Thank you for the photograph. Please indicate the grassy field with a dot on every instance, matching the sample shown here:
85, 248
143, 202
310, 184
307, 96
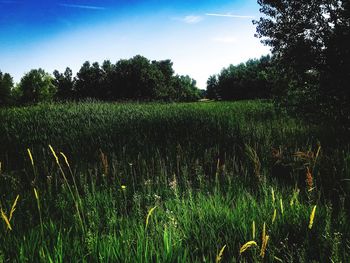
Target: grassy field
128, 182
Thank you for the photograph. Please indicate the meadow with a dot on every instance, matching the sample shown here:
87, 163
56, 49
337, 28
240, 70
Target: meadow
183, 182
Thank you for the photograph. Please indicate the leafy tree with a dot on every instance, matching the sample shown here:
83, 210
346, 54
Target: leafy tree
6, 84
138, 79
64, 83
185, 89
129, 79
212, 87
107, 82
311, 41
36, 86
166, 67
250, 80
89, 81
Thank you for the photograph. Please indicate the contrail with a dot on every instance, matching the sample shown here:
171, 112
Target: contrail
228, 15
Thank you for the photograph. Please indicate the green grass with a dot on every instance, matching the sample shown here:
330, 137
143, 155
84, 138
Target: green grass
209, 169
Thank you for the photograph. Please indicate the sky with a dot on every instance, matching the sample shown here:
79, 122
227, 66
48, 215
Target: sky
200, 37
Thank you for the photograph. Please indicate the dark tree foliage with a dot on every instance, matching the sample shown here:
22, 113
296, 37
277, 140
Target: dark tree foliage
212, 88
137, 78
36, 86
129, 79
183, 88
310, 40
134, 79
89, 81
250, 80
64, 83
6, 84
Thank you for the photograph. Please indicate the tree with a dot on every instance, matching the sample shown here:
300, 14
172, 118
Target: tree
250, 80
185, 89
6, 84
311, 41
64, 83
36, 86
138, 78
212, 87
89, 81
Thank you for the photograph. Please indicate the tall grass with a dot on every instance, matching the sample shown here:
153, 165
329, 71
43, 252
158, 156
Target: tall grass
200, 182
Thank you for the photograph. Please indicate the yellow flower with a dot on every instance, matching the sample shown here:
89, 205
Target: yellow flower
123, 187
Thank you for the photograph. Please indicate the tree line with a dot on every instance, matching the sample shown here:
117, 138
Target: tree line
310, 43
128, 79
308, 72
249, 80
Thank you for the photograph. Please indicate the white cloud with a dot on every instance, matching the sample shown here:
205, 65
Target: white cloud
225, 39
192, 19
90, 7
229, 15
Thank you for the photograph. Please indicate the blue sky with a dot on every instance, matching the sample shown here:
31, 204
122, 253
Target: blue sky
200, 37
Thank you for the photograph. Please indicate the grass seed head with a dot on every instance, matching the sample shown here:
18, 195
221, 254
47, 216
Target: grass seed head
13, 208
219, 256
6, 220
263, 246
65, 159
281, 205
30, 157
274, 215
36, 194
149, 214
247, 245
312, 216
54, 154
309, 180
253, 229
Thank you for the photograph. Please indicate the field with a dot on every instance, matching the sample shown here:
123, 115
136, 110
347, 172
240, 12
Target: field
129, 182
